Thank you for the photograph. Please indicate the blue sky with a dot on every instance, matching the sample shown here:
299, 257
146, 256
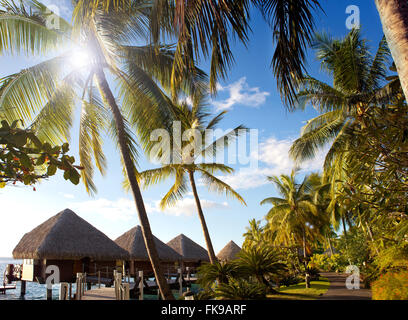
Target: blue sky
252, 99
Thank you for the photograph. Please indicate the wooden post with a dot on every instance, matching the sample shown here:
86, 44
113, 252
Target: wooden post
126, 291
141, 285
23, 288
49, 294
79, 286
70, 291
99, 279
63, 292
118, 284
188, 274
180, 272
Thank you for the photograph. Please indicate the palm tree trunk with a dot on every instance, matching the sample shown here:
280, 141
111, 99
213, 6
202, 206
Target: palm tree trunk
307, 276
130, 171
394, 18
330, 245
210, 248
345, 236
370, 233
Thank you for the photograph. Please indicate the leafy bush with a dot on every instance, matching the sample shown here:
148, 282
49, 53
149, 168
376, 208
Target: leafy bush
290, 280
314, 273
204, 295
263, 263
208, 273
336, 262
391, 286
319, 261
240, 289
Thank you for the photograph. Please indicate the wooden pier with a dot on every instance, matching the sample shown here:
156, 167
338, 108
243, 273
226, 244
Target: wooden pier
4, 288
100, 294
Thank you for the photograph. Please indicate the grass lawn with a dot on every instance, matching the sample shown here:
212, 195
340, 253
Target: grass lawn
299, 292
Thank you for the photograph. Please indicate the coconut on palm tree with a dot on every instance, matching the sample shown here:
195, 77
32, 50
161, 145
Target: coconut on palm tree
101, 50
190, 157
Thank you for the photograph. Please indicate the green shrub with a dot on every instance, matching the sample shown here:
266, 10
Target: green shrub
336, 262
240, 289
391, 286
319, 261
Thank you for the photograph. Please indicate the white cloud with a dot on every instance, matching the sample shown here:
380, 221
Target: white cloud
186, 207
241, 93
274, 155
118, 210
67, 195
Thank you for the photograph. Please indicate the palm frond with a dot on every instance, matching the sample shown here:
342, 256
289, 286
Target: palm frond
219, 186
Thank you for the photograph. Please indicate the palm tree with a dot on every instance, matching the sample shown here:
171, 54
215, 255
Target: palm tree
358, 83
206, 27
393, 15
203, 27
293, 216
46, 94
264, 263
221, 272
254, 235
186, 163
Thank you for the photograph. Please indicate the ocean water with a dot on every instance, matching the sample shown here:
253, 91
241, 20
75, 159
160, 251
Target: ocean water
34, 290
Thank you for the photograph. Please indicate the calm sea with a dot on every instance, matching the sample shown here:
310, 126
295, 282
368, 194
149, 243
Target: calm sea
34, 291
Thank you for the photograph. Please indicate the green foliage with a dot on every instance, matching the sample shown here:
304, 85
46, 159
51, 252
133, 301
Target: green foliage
354, 247
241, 289
393, 258
218, 272
263, 263
335, 262
25, 159
391, 286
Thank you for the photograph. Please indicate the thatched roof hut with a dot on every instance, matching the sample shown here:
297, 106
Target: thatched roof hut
188, 249
133, 242
66, 236
229, 252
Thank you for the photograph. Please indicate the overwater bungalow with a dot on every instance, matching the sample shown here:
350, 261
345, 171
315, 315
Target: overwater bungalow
229, 252
132, 241
192, 253
70, 243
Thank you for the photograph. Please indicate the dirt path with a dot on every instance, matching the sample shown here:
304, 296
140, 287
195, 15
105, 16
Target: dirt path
339, 291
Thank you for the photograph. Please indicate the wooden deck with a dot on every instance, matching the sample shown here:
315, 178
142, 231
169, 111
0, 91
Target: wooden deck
100, 294
3, 289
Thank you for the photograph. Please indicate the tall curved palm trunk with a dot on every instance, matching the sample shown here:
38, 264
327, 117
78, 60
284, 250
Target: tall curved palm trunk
307, 275
129, 166
207, 237
394, 18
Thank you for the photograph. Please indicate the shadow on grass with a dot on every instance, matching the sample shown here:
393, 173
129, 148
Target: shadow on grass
299, 292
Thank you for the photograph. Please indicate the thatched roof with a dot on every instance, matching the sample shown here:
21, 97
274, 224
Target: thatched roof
133, 242
67, 236
188, 249
229, 252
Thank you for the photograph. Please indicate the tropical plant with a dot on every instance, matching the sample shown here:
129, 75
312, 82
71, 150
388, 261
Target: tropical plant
359, 82
254, 235
265, 264
24, 159
48, 91
391, 286
292, 217
241, 289
209, 274
191, 157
